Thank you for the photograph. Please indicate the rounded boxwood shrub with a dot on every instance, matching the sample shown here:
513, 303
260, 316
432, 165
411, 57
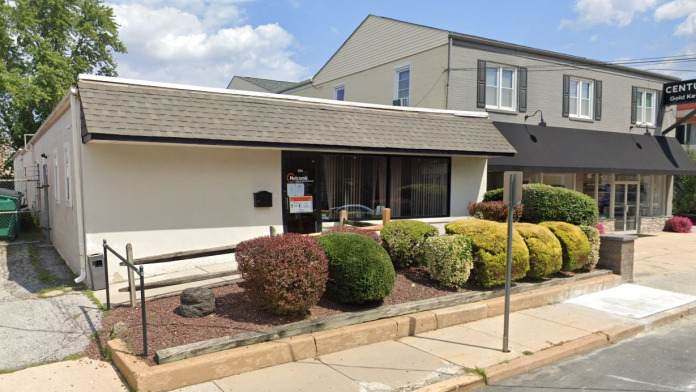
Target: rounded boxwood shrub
592, 234
489, 244
285, 274
449, 259
404, 239
575, 245
547, 203
545, 252
359, 269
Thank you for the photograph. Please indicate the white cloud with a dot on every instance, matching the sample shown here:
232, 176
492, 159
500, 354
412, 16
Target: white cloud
610, 12
675, 9
197, 42
688, 26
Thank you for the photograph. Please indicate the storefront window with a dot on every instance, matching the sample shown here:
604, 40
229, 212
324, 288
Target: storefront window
563, 180
418, 186
589, 185
361, 184
653, 190
356, 183
604, 195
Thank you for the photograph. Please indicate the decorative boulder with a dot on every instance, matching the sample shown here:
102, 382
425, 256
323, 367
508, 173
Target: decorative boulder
196, 302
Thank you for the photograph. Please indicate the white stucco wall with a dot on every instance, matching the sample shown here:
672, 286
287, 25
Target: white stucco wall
167, 198
54, 142
468, 183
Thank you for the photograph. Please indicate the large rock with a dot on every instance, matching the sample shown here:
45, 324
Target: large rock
196, 302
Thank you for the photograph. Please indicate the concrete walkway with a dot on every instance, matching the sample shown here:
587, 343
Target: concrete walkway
416, 361
667, 261
83, 375
35, 328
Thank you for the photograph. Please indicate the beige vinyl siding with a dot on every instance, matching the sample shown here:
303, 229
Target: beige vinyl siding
545, 88
376, 85
378, 41
240, 84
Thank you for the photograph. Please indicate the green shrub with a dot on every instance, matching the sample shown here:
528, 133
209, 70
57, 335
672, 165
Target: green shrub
547, 203
359, 269
285, 274
404, 239
489, 240
592, 234
575, 245
449, 259
545, 252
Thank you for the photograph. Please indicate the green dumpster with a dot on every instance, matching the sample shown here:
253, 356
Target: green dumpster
9, 207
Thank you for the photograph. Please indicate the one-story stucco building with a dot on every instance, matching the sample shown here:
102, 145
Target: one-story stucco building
171, 167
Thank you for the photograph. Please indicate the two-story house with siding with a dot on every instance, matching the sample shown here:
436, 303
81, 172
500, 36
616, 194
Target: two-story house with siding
578, 123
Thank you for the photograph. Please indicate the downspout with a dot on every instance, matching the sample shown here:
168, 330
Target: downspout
449, 71
77, 175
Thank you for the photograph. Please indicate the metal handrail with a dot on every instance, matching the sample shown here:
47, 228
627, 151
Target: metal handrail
128, 262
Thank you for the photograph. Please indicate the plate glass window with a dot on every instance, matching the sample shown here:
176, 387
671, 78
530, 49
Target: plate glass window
340, 93
500, 87
581, 98
645, 107
403, 85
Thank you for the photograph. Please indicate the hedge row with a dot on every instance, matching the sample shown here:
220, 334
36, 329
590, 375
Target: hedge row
288, 274
547, 203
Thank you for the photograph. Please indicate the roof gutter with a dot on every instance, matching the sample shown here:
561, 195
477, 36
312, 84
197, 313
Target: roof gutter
76, 133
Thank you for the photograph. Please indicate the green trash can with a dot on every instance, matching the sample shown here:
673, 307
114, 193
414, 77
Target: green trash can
9, 220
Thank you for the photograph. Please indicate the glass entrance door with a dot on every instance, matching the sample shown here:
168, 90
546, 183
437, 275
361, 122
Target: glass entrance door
300, 211
626, 206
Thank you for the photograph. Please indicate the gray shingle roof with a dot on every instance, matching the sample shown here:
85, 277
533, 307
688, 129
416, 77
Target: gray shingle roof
121, 110
274, 86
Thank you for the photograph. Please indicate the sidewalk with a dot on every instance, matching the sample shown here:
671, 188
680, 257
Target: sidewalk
414, 362
82, 375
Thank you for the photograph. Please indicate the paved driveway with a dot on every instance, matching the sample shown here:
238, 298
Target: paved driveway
34, 329
667, 261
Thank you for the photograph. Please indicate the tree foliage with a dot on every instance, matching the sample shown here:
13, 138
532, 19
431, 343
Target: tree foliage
45, 45
685, 192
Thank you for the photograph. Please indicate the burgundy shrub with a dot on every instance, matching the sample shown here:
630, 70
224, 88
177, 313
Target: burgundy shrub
355, 230
285, 274
494, 210
601, 228
678, 224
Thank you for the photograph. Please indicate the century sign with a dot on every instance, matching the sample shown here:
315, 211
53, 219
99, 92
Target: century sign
679, 92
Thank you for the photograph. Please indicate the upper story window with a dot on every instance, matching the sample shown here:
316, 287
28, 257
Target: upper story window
340, 92
402, 86
645, 106
500, 87
581, 95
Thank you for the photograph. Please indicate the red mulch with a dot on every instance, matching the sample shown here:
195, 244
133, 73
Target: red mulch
236, 313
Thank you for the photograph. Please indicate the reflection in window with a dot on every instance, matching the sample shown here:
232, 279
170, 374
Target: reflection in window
653, 190
356, 183
419, 186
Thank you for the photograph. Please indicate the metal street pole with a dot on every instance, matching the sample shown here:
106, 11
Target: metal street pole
508, 271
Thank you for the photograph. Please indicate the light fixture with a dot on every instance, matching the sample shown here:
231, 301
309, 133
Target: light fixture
647, 131
542, 123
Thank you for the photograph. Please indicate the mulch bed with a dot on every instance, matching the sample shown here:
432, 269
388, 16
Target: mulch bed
237, 313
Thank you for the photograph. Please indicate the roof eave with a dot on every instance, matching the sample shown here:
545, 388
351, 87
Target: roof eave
561, 56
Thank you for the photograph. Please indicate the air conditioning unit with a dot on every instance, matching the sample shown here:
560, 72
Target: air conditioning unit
400, 102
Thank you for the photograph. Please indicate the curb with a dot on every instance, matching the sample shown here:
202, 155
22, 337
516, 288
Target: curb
206, 367
583, 345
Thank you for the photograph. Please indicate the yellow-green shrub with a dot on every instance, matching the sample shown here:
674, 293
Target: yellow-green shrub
489, 240
575, 245
592, 234
545, 252
449, 259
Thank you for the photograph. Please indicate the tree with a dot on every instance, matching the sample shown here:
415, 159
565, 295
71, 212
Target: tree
685, 192
45, 45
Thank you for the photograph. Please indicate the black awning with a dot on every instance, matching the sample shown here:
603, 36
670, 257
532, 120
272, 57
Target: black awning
557, 149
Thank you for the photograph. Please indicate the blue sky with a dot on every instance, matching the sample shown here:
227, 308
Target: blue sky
207, 42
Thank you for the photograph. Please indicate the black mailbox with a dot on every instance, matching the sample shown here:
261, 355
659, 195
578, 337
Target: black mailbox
263, 199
